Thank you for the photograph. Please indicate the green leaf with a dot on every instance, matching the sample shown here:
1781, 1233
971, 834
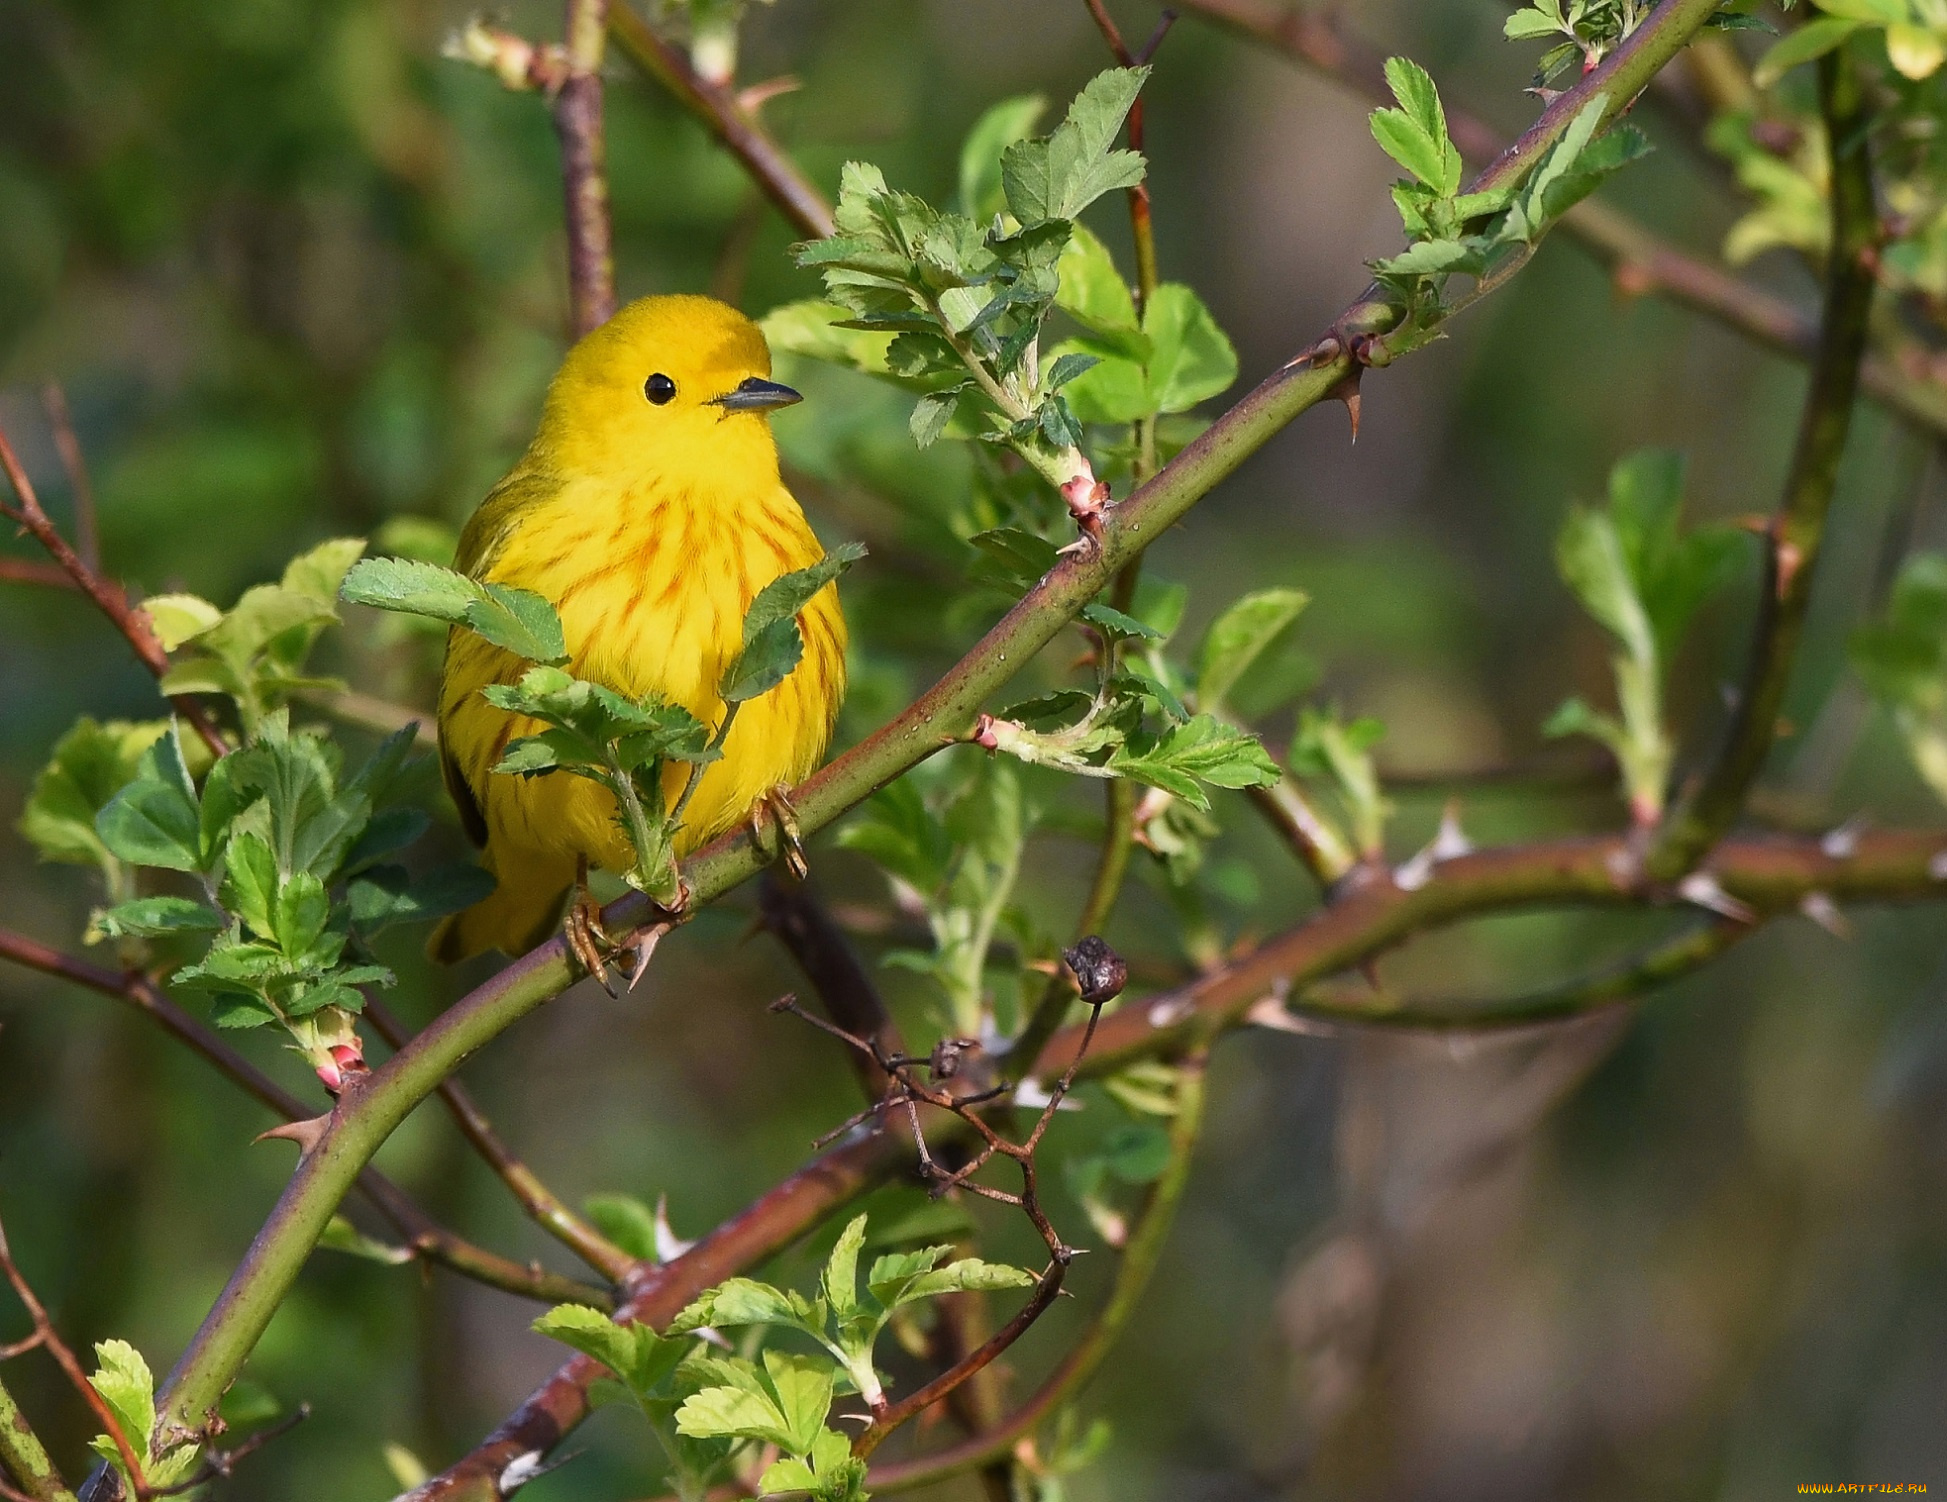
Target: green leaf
1201, 750
626, 1221
1092, 291
125, 1384
735, 1413
86, 769
1238, 637
818, 331
1138, 1152
340, 1235
998, 128
803, 1385
738, 1301
1415, 135
250, 884
176, 619
773, 644
156, 819
969, 1275
516, 619
931, 414
385, 896
303, 909
895, 1273
1014, 559
1525, 25
1812, 40
1590, 556
154, 918
1060, 175
1114, 624
1192, 358
841, 1275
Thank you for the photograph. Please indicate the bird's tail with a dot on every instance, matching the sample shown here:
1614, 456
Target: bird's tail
521, 913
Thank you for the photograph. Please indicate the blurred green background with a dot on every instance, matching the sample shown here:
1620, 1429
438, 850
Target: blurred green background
299, 275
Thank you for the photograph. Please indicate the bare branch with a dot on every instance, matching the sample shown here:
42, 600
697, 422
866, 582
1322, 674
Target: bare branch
791, 911
87, 532
578, 122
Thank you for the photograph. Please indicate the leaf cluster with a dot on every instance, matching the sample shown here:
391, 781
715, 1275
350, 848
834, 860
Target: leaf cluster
1487, 235
707, 1405
254, 653
1902, 657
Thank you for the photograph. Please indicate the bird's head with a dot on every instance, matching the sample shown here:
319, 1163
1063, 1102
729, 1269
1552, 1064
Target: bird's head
680, 386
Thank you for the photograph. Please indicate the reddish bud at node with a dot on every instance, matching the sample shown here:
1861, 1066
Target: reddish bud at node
983, 734
1791, 558
1087, 499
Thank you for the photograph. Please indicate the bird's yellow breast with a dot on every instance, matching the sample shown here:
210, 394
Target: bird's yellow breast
651, 583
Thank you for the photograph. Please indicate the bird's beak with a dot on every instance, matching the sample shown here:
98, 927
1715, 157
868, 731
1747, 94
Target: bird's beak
754, 395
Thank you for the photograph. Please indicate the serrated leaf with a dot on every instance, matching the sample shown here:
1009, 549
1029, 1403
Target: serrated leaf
841, 1275
1238, 637
969, 1275
734, 1413
1191, 358
1058, 176
739, 1301
1113, 623
155, 820
126, 1385
1091, 290
931, 414
1415, 135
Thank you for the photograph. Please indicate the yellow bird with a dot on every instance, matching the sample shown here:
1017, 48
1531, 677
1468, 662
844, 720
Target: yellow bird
649, 511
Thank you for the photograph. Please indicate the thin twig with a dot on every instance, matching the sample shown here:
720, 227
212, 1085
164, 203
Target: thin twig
108, 596
51, 1342
87, 532
1100, 975
1796, 531
546, 1208
797, 198
1138, 1263
578, 122
33, 571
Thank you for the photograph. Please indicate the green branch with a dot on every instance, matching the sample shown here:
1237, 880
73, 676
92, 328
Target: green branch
1796, 532
369, 1112
24, 1458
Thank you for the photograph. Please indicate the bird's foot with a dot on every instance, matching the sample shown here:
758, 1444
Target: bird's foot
777, 805
588, 941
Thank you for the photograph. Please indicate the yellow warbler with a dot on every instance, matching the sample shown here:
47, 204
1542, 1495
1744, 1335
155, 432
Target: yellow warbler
649, 512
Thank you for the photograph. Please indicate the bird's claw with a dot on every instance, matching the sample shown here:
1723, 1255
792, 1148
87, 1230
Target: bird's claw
777, 803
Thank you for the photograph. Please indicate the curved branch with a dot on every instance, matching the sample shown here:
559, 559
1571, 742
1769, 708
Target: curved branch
795, 196
369, 1112
1798, 528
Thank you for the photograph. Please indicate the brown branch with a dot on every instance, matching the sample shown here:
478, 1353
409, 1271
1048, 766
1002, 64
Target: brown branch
49, 1339
1643, 263
1797, 530
33, 571
541, 1203
87, 534
796, 197
578, 122
108, 596
222, 1464
791, 911
424, 1236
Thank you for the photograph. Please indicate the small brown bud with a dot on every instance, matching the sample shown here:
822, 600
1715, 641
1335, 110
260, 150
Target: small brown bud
1099, 971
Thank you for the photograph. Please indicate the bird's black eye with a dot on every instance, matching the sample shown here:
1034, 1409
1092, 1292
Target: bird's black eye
660, 389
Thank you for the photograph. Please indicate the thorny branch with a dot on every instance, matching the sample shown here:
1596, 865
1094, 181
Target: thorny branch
791, 911
947, 1080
